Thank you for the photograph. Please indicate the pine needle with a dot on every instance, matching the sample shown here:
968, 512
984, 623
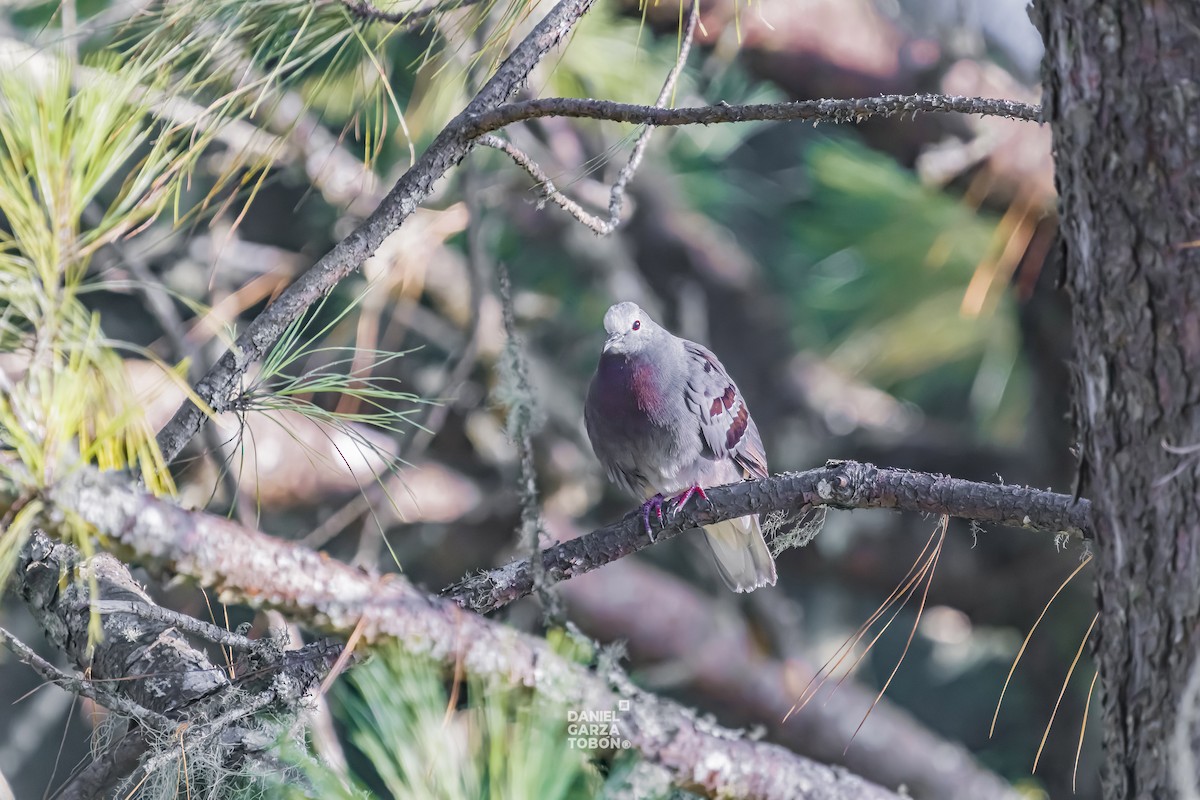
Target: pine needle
921, 572
924, 595
1063, 690
1082, 728
1029, 636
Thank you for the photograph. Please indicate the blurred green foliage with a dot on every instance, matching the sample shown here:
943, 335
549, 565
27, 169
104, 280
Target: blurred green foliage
871, 266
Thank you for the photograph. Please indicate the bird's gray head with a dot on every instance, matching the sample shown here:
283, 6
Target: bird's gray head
630, 329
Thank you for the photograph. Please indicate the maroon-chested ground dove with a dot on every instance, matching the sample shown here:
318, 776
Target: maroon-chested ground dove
665, 419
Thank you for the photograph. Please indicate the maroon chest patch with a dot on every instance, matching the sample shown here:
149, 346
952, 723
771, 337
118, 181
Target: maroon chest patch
646, 385
632, 388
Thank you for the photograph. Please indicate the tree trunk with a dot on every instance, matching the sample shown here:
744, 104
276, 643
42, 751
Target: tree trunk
1123, 99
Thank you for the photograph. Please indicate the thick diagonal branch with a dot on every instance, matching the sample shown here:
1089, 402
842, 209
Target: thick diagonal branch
840, 484
250, 567
446, 151
247, 566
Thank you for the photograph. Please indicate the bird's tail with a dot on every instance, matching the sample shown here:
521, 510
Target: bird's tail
742, 556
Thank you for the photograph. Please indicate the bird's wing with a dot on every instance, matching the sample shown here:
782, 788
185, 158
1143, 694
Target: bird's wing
725, 424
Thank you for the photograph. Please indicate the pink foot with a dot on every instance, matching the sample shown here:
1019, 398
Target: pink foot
653, 504
680, 500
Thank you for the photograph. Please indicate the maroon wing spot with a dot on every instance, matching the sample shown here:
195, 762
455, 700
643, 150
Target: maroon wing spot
737, 428
723, 403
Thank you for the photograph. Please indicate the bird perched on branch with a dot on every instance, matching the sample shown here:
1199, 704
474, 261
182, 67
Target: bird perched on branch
665, 420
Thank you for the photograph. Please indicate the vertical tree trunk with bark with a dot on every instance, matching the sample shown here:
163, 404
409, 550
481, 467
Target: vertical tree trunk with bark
1123, 97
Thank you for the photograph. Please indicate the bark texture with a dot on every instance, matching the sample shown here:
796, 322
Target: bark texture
839, 484
1123, 99
143, 656
151, 663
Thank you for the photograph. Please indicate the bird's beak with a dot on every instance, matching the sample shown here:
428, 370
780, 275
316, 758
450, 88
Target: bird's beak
610, 341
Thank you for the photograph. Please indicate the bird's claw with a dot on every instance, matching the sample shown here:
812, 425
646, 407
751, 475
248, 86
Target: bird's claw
653, 504
674, 506
680, 500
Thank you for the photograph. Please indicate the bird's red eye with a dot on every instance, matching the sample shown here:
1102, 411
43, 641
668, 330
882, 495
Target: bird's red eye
637, 323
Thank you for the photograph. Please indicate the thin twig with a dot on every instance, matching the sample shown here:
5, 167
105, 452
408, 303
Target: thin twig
458, 365
344, 517
848, 110
409, 20
479, 269
197, 627
616, 199
90, 690
545, 185
617, 195
521, 422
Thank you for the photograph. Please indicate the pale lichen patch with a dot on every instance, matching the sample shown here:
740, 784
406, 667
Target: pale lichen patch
825, 489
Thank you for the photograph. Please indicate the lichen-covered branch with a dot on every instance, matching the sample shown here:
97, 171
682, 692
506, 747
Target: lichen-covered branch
143, 666
839, 484
262, 571
147, 661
